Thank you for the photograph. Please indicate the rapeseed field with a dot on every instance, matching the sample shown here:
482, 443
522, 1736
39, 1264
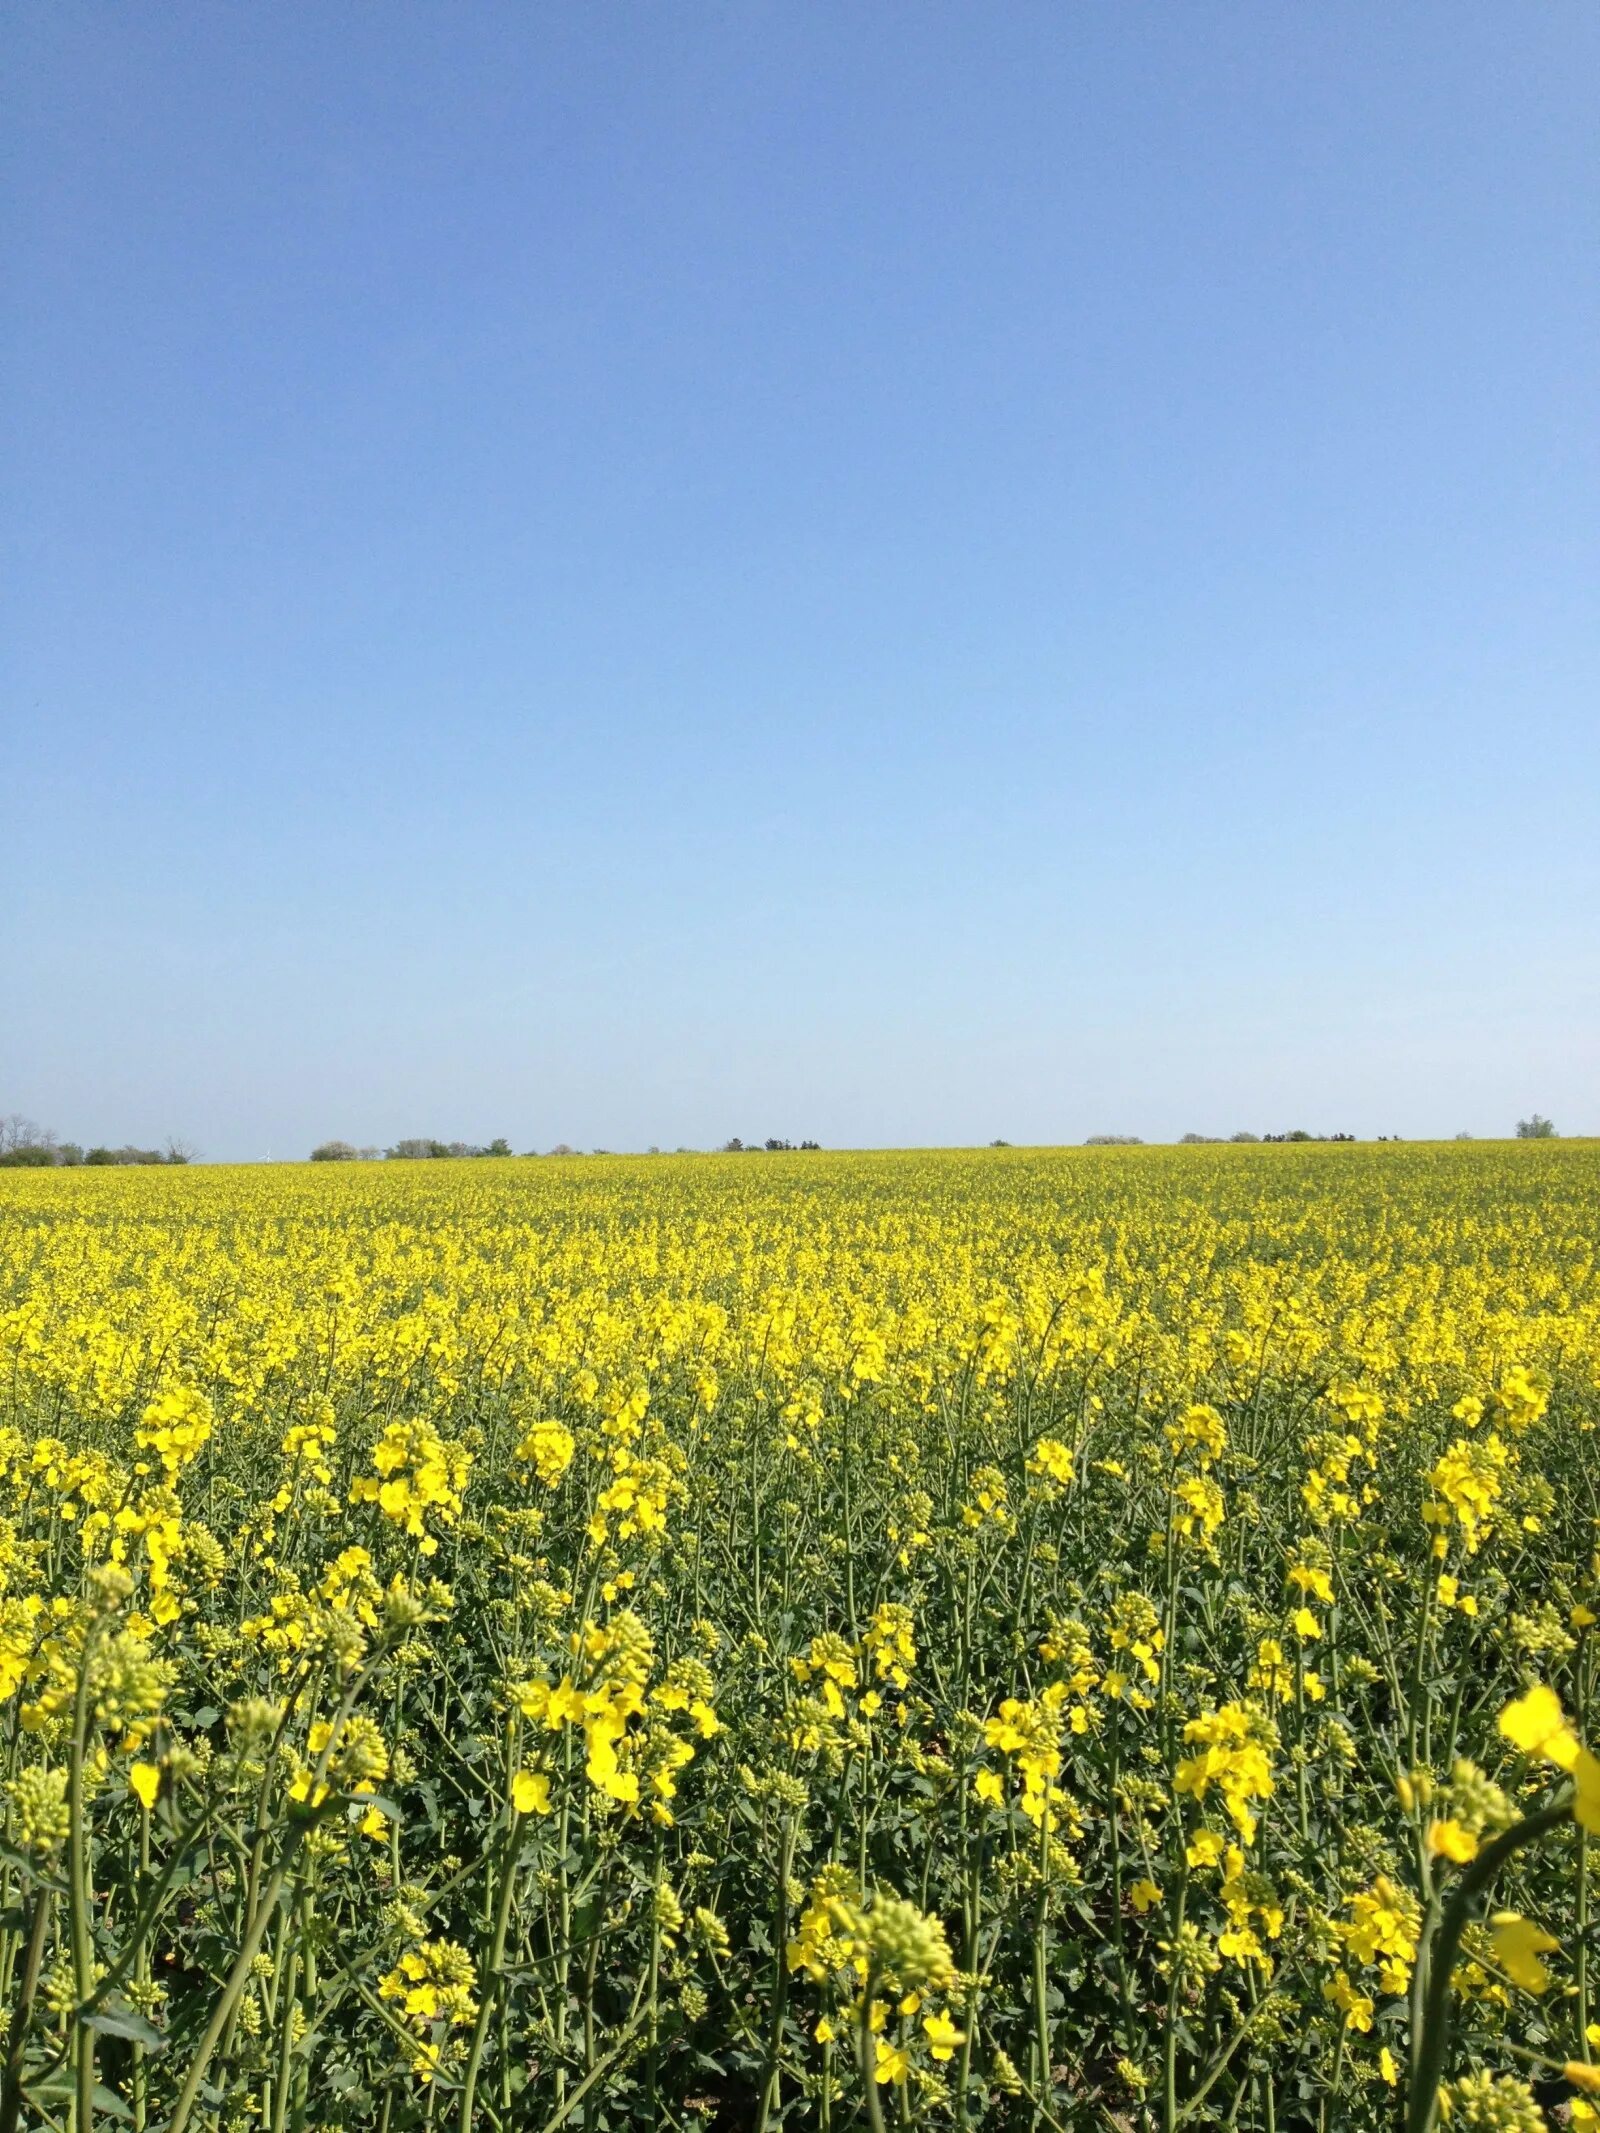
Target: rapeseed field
1054, 1640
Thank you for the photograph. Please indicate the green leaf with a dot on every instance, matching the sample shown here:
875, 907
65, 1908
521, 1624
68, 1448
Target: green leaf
120, 2020
384, 1805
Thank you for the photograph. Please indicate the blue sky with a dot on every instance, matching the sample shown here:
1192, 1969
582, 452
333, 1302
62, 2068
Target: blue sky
633, 574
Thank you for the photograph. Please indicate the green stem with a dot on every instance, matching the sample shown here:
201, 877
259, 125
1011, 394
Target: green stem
286, 2005
1169, 2063
141, 1971
489, 1976
866, 2056
11, 2087
78, 1893
1432, 2046
1041, 1958
256, 1928
780, 1978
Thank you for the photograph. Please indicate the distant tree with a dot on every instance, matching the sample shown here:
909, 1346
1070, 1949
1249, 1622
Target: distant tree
333, 1152
1535, 1129
370, 1155
1240, 1139
1465, 1136
1113, 1140
779, 1147
19, 1132
561, 1148
498, 1146
812, 1147
999, 1144
411, 1151
25, 1145
1197, 1140
733, 1147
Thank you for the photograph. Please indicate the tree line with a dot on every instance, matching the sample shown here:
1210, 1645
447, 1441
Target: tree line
406, 1151
432, 1150
26, 1146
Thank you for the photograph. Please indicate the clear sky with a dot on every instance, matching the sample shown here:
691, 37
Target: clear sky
634, 573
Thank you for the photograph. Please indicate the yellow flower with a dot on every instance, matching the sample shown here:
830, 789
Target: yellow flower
1522, 1396
1586, 1800
1143, 1894
549, 1449
1053, 1461
1535, 1723
144, 1781
1382, 1931
892, 2063
1450, 1840
1518, 1945
942, 2035
1357, 2007
530, 1792
991, 1786
1315, 1583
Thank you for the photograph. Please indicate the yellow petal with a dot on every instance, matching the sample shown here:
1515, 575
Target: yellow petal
1448, 1840
530, 1792
1518, 1945
1586, 1778
1535, 1724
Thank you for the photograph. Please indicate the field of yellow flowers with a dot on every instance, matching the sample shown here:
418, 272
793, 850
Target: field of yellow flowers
1052, 1640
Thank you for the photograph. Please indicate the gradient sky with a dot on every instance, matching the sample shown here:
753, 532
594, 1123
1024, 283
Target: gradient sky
629, 574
